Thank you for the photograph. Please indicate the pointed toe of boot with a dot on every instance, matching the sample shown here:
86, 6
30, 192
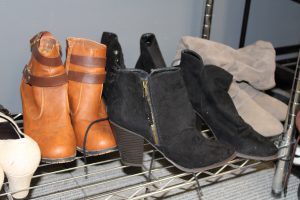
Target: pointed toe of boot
272, 105
253, 114
58, 149
257, 147
194, 153
60, 153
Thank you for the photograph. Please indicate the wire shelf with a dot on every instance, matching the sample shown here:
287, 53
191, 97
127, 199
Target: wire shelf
104, 177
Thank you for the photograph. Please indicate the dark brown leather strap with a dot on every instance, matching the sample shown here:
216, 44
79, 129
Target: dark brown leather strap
44, 81
52, 62
86, 77
87, 61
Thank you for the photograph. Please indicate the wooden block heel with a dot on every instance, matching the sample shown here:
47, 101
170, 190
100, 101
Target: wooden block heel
131, 146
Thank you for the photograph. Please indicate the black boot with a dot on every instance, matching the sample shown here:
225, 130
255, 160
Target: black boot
208, 92
7, 131
155, 107
114, 60
150, 57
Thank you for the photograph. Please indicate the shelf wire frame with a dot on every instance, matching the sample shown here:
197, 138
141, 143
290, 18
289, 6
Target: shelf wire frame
287, 142
153, 187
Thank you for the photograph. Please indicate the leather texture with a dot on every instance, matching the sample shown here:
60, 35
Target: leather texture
43, 81
46, 109
86, 104
86, 77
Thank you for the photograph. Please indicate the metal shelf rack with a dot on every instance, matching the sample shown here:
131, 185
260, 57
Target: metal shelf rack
104, 177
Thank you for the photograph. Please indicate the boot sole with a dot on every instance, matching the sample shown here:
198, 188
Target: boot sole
98, 153
122, 131
241, 155
58, 160
268, 158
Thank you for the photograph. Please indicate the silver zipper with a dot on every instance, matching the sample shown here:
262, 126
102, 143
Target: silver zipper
151, 121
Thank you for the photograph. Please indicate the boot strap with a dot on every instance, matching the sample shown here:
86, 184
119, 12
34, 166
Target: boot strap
83, 77
87, 61
43, 81
52, 62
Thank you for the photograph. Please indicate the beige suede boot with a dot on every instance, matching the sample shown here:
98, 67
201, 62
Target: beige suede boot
1, 177
262, 121
254, 63
275, 107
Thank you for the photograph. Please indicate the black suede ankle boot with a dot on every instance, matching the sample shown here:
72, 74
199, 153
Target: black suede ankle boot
208, 92
150, 57
155, 107
114, 60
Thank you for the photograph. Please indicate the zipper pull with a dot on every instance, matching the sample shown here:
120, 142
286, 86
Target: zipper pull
144, 88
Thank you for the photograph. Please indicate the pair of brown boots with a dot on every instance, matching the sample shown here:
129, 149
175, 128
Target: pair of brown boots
60, 102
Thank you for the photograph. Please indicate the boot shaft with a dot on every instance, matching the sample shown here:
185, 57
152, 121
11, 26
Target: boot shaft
85, 56
150, 54
85, 65
115, 60
45, 59
44, 76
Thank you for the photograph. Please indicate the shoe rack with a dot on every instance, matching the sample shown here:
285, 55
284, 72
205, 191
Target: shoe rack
104, 177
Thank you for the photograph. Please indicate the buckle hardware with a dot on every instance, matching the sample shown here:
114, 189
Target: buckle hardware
27, 74
36, 39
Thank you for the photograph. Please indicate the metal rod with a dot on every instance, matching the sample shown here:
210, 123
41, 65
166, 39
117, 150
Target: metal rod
245, 23
165, 183
207, 19
288, 136
150, 170
185, 183
199, 191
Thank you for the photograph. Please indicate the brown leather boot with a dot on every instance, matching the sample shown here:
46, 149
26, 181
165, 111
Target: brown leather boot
85, 64
45, 104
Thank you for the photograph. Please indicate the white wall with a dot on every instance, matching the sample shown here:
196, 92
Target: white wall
277, 21
20, 20
273, 20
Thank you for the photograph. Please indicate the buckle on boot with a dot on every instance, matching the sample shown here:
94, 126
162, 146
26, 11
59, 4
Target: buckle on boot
26, 74
36, 39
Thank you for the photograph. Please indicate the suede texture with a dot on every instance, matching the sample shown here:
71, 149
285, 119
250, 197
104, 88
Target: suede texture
175, 120
114, 60
254, 63
253, 114
208, 91
179, 140
275, 107
150, 55
126, 106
